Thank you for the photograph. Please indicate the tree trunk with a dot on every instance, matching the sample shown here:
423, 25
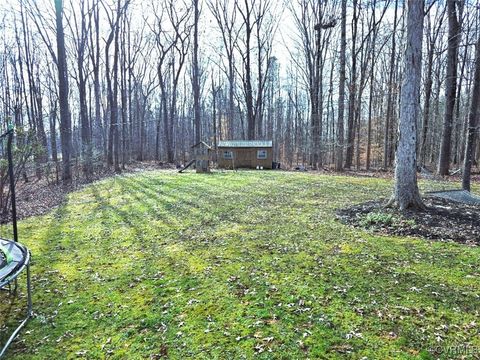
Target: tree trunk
214, 119
97, 126
248, 84
114, 110
389, 118
352, 92
370, 108
231, 99
473, 122
426, 106
86, 150
450, 87
341, 90
196, 76
53, 135
65, 119
406, 194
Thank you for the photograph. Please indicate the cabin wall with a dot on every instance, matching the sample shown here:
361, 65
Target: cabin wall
244, 158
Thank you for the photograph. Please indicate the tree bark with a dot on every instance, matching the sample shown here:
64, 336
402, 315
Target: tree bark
406, 194
390, 98
65, 119
426, 106
248, 75
341, 91
473, 123
352, 91
196, 75
86, 151
450, 87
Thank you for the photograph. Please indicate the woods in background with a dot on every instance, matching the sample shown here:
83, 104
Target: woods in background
102, 83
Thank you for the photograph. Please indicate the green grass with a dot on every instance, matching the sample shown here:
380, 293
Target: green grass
239, 265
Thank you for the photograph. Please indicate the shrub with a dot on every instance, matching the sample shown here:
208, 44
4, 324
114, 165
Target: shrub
377, 219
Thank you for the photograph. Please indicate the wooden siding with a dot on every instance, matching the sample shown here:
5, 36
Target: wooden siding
244, 158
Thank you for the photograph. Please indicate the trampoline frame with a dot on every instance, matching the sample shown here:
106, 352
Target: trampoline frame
13, 278
25, 265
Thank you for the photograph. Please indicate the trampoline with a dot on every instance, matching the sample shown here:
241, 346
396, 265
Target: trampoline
14, 257
460, 196
452, 195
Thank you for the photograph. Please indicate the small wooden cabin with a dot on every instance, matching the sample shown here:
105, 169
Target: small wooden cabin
233, 154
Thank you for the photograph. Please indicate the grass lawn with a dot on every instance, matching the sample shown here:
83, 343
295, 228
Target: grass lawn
239, 265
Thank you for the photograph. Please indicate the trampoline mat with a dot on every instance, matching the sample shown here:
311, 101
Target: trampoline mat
13, 256
460, 196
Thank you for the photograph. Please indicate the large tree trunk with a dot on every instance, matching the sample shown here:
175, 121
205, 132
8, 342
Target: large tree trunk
426, 106
231, 99
95, 56
214, 119
196, 76
451, 87
248, 84
341, 91
370, 107
84, 122
315, 97
460, 129
112, 87
82, 92
472, 123
110, 101
53, 135
387, 144
42, 151
406, 194
114, 110
65, 119
352, 91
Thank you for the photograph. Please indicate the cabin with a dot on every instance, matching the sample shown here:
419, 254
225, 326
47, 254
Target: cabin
253, 154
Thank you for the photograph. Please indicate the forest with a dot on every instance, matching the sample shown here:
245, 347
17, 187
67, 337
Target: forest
100, 83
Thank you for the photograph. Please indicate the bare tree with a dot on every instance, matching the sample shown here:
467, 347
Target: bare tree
98, 135
352, 87
433, 32
196, 74
80, 30
387, 144
226, 17
114, 19
341, 90
172, 50
258, 29
473, 123
314, 25
248, 24
454, 34
65, 116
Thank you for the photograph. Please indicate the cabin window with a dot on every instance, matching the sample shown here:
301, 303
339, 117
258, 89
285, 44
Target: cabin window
228, 155
261, 154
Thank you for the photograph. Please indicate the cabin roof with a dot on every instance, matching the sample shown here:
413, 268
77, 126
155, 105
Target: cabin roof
245, 144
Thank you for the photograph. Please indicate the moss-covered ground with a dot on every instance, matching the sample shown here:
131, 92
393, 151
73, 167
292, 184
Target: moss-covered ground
239, 265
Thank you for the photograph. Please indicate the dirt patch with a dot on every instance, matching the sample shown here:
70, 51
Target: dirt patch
443, 220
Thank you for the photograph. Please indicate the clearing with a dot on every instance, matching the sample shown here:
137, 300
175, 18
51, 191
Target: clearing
239, 265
